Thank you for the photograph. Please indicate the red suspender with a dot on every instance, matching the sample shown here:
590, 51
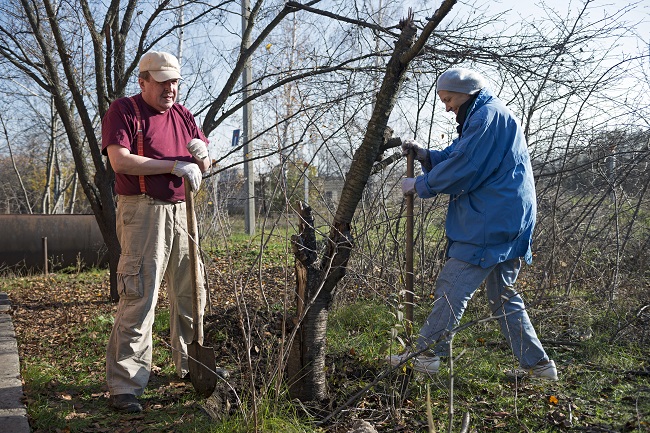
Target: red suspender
140, 138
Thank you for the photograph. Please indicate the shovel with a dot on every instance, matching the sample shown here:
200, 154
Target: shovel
201, 360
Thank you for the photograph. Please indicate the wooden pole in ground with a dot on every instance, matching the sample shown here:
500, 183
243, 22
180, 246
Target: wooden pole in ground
45, 270
408, 298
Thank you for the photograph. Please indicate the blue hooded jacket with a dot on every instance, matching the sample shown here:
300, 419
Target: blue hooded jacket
489, 178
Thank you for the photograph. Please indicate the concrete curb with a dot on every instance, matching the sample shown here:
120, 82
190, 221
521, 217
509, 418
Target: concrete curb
13, 414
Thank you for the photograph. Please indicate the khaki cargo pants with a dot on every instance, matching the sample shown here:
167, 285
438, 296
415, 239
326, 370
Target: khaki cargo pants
154, 241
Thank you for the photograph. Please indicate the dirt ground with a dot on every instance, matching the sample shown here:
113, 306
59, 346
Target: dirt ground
50, 312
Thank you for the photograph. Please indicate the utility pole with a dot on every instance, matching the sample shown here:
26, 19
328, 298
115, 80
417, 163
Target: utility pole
181, 23
249, 175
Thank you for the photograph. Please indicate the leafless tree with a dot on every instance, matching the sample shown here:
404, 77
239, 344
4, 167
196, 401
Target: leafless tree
14, 165
84, 57
317, 278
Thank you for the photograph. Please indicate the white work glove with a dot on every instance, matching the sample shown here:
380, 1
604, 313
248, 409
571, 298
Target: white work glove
190, 171
408, 186
198, 149
420, 152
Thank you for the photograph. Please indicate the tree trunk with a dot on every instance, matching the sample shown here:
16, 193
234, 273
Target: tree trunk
311, 317
105, 214
306, 370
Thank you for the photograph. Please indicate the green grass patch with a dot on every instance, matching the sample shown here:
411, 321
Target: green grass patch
601, 384
243, 251
362, 327
276, 416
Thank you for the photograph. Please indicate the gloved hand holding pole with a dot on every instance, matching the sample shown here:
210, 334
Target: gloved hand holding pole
190, 171
420, 153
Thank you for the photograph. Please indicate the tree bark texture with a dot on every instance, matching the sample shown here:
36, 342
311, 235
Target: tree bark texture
311, 317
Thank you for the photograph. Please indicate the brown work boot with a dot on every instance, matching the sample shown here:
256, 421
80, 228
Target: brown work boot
126, 403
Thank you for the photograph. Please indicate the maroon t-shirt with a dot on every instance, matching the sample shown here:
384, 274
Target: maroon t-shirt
165, 137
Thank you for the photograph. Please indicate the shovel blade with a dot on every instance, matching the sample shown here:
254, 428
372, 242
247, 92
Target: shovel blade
202, 366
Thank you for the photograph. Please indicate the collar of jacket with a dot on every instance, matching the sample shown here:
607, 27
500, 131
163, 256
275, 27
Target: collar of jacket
463, 112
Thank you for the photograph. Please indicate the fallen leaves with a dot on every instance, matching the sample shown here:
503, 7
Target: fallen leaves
559, 418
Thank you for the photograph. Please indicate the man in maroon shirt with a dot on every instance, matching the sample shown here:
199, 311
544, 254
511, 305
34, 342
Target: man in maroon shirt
152, 143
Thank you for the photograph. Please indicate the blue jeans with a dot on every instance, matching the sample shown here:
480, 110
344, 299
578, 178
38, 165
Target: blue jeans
455, 286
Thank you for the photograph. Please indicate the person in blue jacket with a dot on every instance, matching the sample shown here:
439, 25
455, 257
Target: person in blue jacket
488, 176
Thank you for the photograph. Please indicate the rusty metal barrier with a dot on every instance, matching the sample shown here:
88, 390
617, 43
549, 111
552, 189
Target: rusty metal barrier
72, 240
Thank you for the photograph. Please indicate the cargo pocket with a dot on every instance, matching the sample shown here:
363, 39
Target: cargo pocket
129, 279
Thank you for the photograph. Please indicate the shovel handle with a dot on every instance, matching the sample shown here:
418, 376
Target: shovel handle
192, 240
409, 246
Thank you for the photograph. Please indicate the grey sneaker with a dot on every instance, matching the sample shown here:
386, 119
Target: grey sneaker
544, 371
421, 363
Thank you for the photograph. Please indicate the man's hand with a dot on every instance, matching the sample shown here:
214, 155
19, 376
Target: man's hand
420, 152
189, 170
408, 186
198, 149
